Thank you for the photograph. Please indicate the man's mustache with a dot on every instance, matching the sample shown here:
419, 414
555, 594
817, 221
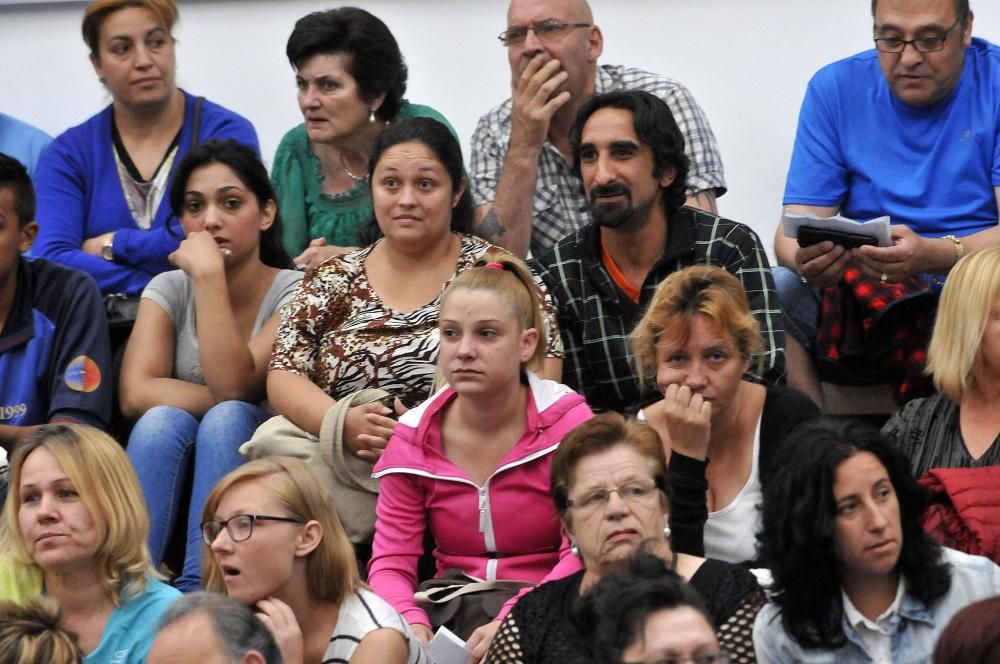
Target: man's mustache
609, 190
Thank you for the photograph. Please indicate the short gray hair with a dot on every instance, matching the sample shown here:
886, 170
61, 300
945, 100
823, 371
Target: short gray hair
238, 628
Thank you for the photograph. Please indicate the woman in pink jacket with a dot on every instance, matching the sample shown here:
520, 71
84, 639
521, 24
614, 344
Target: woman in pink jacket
472, 463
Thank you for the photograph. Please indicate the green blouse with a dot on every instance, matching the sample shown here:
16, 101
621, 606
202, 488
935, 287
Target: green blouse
308, 213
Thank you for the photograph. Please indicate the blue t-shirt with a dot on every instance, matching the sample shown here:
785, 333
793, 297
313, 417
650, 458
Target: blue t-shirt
932, 168
22, 141
132, 626
55, 357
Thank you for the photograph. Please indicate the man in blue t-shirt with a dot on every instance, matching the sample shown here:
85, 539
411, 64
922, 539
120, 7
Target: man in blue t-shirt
55, 361
908, 130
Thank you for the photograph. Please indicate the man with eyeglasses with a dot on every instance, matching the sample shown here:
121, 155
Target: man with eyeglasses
525, 193
909, 130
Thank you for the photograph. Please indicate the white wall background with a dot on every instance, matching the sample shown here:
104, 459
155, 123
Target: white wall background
746, 61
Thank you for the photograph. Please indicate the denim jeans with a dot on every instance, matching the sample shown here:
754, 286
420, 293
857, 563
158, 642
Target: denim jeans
161, 447
799, 303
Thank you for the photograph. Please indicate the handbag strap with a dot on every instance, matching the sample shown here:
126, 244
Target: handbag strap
445, 594
196, 122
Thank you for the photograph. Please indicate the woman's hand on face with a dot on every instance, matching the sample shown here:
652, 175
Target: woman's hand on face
317, 253
688, 420
199, 255
367, 429
279, 619
480, 640
423, 632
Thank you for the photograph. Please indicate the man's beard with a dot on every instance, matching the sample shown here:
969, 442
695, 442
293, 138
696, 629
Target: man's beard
611, 215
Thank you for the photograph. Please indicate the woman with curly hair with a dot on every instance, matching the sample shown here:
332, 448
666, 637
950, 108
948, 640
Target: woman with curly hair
855, 577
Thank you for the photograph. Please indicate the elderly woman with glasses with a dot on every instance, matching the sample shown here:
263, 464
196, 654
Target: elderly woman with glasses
610, 490
274, 542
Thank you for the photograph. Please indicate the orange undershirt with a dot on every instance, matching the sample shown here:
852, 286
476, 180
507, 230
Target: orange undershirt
617, 276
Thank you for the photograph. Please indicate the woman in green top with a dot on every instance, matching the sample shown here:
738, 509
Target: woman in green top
351, 78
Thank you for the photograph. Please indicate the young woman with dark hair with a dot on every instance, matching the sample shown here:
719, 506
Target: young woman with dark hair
195, 368
855, 577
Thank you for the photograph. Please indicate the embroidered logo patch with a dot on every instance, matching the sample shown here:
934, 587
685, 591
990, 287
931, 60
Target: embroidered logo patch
82, 374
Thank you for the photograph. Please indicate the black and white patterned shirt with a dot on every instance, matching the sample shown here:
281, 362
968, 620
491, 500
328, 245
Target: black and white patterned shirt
596, 317
560, 206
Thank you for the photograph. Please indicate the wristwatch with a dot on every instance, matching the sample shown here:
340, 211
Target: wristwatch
107, 249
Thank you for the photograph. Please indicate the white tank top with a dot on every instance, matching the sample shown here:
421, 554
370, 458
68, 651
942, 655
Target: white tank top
731, 532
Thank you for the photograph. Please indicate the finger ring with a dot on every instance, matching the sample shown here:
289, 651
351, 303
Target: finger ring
883, 278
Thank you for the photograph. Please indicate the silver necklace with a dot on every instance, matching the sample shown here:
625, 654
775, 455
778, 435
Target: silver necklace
343, 164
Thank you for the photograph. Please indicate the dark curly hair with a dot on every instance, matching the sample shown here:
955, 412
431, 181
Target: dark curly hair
654, 127
796, 537
615, 610
374, 60
246, 165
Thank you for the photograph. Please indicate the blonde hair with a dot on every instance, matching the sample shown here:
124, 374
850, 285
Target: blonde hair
98, 10
699, 289
31, 633
331, 569
511, 281
967, 300
103, 476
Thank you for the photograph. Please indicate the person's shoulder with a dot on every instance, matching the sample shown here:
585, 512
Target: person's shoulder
859, 69
53, 284
215, 111
294, 142
9, 125
94, 128
621, 77
711, 226
962, 562
569, 250
411, 110
497, 119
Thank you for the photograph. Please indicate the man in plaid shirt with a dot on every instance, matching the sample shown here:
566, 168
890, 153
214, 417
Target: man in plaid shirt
525, 192
629, 153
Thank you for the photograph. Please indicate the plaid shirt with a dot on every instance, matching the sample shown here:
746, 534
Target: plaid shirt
595, 317
560, 206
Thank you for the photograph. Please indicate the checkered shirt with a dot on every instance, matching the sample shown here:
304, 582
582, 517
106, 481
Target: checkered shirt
560, 206
595, 317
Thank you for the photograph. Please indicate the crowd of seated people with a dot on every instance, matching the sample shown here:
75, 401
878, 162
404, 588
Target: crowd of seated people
359, 414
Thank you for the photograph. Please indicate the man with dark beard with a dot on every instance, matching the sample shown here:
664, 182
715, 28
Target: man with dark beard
630, 155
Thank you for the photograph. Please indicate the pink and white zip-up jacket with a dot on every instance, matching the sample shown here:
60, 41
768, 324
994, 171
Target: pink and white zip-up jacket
505, 529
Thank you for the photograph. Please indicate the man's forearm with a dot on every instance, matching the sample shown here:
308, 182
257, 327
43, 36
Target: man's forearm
509, 222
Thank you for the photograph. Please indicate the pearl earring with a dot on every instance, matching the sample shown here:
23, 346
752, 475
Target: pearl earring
371, 114
666, 531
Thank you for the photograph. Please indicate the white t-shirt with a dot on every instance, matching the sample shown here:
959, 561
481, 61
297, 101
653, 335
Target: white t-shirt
364, 612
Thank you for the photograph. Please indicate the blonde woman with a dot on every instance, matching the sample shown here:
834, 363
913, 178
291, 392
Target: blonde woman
960, 426
274, 542
75, 528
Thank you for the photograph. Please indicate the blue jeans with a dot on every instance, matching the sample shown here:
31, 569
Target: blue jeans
161, 446
799, 303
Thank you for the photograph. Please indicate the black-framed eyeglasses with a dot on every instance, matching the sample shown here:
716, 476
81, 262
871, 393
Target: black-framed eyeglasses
921, 45
546, 31
598, 499
704, 658
239, 526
